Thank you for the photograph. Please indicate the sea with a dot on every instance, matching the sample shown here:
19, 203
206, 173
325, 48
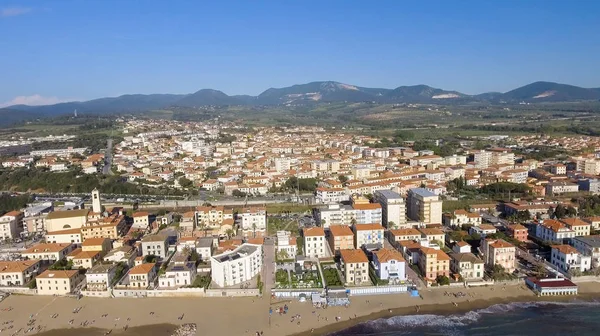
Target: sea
518, 319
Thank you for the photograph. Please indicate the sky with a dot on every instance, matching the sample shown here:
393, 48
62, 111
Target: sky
62, 50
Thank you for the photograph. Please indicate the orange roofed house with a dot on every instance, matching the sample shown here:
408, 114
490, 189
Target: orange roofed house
57, 282
141, 276
518, 232
433, 263
499, 252
355, 267
314, 242
389, 265
340, 237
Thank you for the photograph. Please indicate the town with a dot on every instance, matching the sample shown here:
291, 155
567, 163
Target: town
308, 213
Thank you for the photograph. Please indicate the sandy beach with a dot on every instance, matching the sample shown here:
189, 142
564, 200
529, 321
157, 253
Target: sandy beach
246, 316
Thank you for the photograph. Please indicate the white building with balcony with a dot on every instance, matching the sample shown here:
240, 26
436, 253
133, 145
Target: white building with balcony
238, 266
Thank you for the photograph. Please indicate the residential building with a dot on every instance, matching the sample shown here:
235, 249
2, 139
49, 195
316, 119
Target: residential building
567, 258
68, 236
367, 234
367, 213
499, 252
215, 220
141, 220
434, 235
286, 247
125, 253
433, 263
518, 232
591, 185
314, 242
178, 275
461, 247
393, 209
141, 276
155, 245
424, 206
102, 245
588, 246
100, 277
11, 225
404, 234
49, 252
467, 265
57, 282
111, 227
340, 237
561, 187
330, 195
355, 267
483, 230
18, 273
389, 264
554, 231
234, 267
580, 227
593, 221
253, 221
461, 217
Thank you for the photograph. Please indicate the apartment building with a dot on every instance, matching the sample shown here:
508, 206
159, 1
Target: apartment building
48, 251
100, 277
433, 263
588, 246
178, 274
567, 258
467, 265
340, 237
518, 232
286, 245
554, 231
11, 225
57, 282
141, 220
141, 276
561, 187
389, 264
68, 236
253, 221
424, 206
18, 273
330, 195
155, 245
234, 267
580, 227
499, 252
433, 235
404, 234
355, 267
314, 242
368, 234
367, 213
111, 227
393, 209
461, 217
213, 219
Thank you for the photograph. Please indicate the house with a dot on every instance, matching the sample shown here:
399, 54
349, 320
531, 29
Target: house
588, 246
461, 247
102, 245
567, 258
125, 254
398, 235
141, 276
499, 252
68, 236
253, 221
141, 220
18, 273
483, 230
467, 265
155, 245
178, 274
355, 267
434, 235
366, 234
594, 222
238, 266
554, 231
314, 242
581, 228
100, 277
518, 232
51, 252
461, 217
11, 225
340, 237
286, 245
433, 263
52, 282
389, 265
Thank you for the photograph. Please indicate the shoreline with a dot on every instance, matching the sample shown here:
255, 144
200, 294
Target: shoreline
445, 309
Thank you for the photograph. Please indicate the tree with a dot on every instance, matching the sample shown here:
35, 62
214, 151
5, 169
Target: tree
442, 280
185, 182
391, 225
229, 233
571, 211
237, 193
560, 212
343, 179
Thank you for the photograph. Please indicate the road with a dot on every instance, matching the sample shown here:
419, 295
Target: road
106, 170
268, 276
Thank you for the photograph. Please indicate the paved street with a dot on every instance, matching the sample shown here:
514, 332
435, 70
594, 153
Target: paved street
268, 266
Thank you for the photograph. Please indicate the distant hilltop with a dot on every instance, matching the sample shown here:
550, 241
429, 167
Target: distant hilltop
314, 93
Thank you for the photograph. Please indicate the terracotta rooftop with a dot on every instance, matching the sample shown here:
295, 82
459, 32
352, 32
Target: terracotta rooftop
387, 254
316, 231
354, 256
142, 269
340, 230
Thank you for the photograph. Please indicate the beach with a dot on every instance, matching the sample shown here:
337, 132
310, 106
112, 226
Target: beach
246, 316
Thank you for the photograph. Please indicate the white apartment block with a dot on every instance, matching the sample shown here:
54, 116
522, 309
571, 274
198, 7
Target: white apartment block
331, 195
155, 245
566, 258
393, 209
287, 243
237, 266
314, 242
253, 221
100, 277
461, 217
58, 152
554, 231
588, 246
18, 273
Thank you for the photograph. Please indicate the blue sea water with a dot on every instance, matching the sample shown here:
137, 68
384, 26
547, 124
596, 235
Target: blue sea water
515, 319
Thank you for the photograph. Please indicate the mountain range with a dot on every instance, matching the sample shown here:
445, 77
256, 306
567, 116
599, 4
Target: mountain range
310, 93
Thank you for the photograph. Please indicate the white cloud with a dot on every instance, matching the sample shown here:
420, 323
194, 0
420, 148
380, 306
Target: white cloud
35, 100
14, 11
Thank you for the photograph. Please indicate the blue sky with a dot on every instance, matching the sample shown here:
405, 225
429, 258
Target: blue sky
53, 51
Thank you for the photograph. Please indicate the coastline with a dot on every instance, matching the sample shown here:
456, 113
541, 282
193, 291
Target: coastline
246, 316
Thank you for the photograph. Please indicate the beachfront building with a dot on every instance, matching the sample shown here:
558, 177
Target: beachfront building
389, 265
155, 245
286, 247
125, 254
141, 276
368, 234
18, 273
461, 217
340, 237
202, 245
314, 242
355, 267
551, 286
553, 231
393, 209
141, 220
238, 266
69, 219
433, 263
467, 265
100, 277
569, 259
424, 206
498, 252
51, 252
253, 221
68, 236
11, 225
84, 259
589, 246
178, 274
52, 282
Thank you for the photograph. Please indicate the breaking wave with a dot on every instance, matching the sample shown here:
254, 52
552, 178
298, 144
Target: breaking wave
448, 322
